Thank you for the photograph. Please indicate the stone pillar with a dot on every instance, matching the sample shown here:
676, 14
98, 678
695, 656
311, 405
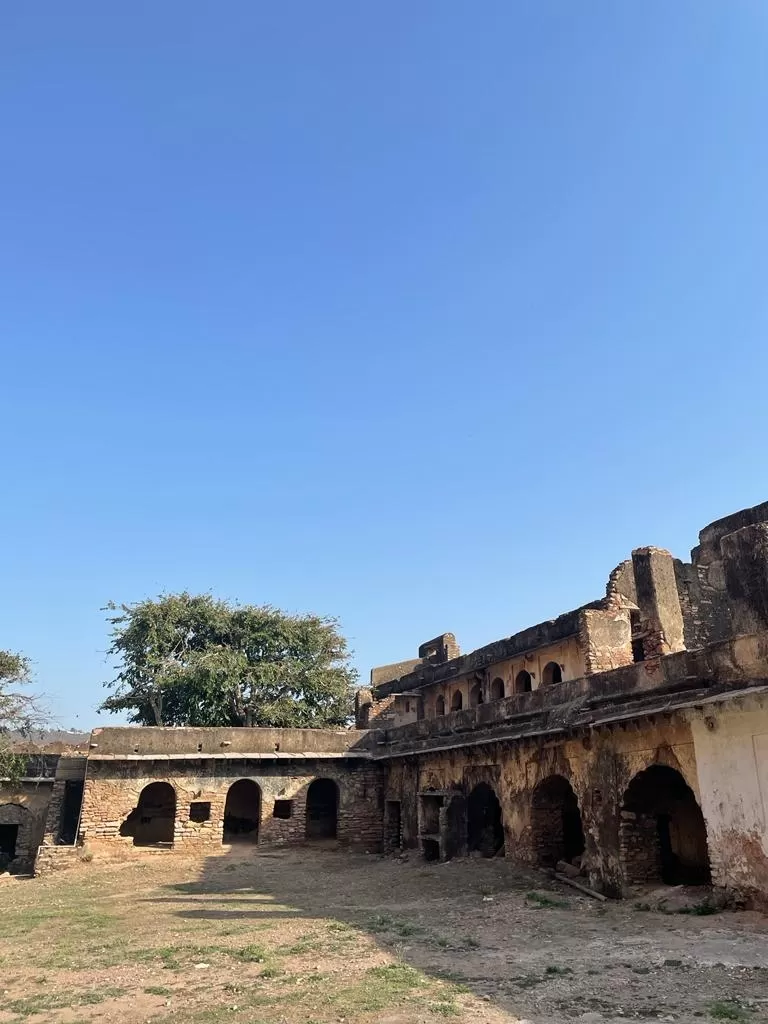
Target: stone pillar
745, 561
658, 601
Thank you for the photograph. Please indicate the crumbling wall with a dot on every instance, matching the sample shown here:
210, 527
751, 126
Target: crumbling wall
112, 791
23, 809
605, 636
658, 601
598, 765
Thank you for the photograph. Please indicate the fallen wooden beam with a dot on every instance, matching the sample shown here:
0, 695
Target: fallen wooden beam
580, 887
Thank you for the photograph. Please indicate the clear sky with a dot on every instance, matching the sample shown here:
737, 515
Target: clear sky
418, 314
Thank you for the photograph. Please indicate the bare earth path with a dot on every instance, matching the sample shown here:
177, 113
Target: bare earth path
320, 936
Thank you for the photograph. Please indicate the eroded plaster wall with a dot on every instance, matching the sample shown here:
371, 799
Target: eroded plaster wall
731, 744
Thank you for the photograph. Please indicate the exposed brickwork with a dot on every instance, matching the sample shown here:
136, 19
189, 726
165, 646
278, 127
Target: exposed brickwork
112, 791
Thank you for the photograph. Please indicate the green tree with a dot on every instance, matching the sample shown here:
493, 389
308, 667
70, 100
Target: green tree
187, 659
20, 712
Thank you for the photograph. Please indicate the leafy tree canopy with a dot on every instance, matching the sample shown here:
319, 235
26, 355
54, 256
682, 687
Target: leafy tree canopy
20, 712
188, 659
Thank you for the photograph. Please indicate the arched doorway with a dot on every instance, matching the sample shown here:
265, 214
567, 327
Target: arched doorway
242, 812
440, 706
556, 822
552, 674
663, 837
322, 809
476, 695
151, 821
523, 682
456, 701
485, 826
497, 689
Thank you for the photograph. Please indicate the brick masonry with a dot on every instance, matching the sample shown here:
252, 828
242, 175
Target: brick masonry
112, 791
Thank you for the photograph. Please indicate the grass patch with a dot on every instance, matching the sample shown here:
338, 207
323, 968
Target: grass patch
527, 980
727, 1009
555, 970
445, 1008
158, 990
43, 1002
543, 902
306, 944
251, 954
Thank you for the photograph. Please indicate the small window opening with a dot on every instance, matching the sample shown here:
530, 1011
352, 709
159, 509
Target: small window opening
407, 706
200, 811
456, 701
282, 809
497, 689
636, 625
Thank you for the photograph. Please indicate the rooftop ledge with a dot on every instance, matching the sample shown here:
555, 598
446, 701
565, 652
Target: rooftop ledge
145, 742
734, 667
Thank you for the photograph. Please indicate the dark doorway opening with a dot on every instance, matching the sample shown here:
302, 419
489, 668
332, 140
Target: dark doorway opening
322, 809
9, 836
393, 826
552, 674
523, 682
476, 695
440, 706
151, 821
70, 813
485, 826
497, 689
456, 701
556, 822
242, 812
663, 836
430, 849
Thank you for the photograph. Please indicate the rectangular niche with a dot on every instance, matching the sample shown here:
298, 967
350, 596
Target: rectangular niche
200, 811
282, 809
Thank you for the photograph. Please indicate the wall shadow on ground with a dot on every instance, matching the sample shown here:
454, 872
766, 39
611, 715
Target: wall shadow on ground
430, 916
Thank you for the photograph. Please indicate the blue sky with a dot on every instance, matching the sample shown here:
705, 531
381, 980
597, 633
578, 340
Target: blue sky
418, 314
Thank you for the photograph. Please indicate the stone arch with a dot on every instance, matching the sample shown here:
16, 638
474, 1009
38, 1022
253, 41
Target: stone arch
662, 836
476, 695
552, 673
523, 682
556, 822
497, 688
440, 705
152, 821
322, 809
457, 700
242, 812
15, 834
485, 824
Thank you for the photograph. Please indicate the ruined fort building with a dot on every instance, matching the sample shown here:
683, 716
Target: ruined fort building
626, 741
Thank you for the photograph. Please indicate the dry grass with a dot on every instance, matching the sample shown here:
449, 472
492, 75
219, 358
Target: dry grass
326, 937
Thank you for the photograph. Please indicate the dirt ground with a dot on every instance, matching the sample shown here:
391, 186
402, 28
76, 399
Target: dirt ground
321, 936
